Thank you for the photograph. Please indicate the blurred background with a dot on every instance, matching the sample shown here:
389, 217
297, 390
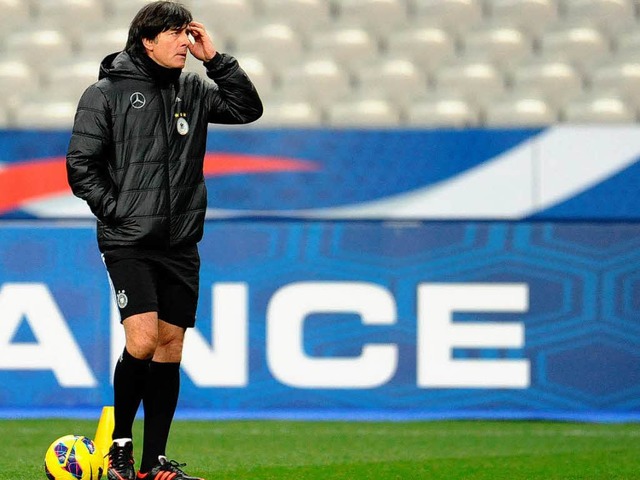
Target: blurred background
355, 63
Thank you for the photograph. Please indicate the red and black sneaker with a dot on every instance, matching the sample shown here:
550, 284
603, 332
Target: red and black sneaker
121, 466
166, 470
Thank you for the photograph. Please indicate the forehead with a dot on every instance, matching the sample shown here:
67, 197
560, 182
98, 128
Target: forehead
172, 30
177, 29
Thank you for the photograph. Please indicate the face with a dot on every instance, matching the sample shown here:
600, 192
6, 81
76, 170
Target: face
169, 48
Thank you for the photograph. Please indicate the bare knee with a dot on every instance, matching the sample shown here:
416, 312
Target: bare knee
141, 332
169, 343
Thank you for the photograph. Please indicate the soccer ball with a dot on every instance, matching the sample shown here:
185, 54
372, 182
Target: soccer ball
73, 457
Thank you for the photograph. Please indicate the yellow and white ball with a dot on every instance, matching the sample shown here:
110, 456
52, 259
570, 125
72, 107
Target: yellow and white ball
73, 457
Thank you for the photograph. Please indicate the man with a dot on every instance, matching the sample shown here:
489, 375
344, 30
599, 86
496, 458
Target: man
136, 157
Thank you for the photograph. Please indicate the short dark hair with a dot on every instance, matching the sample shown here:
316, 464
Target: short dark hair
154, 18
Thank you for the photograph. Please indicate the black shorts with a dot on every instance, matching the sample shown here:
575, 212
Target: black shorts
163, 281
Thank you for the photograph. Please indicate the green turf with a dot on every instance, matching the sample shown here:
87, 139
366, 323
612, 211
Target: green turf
265, 450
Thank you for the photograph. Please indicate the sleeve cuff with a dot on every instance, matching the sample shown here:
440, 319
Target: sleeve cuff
214, 62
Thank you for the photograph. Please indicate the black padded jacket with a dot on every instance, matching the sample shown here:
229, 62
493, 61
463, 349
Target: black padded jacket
138, 143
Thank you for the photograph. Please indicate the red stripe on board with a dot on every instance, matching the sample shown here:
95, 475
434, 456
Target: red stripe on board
216, 164
24, 182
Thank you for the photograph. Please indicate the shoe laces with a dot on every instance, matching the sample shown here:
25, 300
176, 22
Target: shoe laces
172, 466
120, 457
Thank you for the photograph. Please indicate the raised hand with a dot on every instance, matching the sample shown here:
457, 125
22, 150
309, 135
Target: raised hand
202, 48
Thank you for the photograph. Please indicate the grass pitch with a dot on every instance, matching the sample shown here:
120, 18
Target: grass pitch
270, 450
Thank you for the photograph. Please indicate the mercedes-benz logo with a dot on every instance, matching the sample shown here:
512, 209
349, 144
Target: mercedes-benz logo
137, 100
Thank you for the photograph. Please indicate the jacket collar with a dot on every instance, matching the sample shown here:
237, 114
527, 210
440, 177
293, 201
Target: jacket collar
141, 67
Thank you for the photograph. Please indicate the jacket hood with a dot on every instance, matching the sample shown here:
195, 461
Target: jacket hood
120, 64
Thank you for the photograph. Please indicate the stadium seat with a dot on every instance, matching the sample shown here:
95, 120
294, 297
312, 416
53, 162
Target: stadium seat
621, 76
123, 11
501, 44
100, 43
67, 81
627, 42
223, 17
44, 114
17, 81
397, 79
529, 15
303, 15
599, 108
435, 111
73, 16
319, 80
365, 112
378, 16
519, 111
478, 81
455, 15
555, 80
255, 67
609, 14
427, 46
581, 44
15, 15
290, 113
40, 48
277, 43
348, 45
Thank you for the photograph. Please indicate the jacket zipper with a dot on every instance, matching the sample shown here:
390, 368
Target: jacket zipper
167, 179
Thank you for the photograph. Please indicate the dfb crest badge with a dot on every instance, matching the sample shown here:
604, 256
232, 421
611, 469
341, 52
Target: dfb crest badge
122, 299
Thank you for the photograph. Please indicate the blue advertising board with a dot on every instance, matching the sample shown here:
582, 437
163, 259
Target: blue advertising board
332, 319
353, 274
576, 172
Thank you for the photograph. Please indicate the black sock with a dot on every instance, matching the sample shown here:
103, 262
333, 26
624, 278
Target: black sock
160, 401
128, 388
